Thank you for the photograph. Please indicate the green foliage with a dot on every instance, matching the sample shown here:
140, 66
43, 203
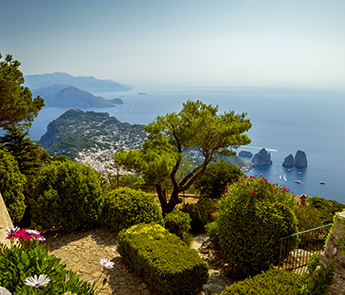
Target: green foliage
162, 156
204, 211
308, 217
319, 278
217, 175
125, 207
131, 181
12, 186
178, 223
253, 216
68, 197
271, 282
17, 105
212, 230
327, 208
18, 263
198, 214
165, 262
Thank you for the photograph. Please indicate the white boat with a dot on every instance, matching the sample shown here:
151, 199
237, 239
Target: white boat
322, 182
298, 181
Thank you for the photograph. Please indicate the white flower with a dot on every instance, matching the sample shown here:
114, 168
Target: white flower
106, 263
32, 232
37, 282
4, 291
41, 239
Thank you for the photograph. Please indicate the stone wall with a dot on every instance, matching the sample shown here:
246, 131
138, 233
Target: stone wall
5, 221
335, 249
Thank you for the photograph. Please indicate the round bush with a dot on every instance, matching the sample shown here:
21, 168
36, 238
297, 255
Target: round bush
253, 216
12, 186
68, 197
125, 207
178, 223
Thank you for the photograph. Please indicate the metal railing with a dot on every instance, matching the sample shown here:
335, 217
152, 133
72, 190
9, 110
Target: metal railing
294, 256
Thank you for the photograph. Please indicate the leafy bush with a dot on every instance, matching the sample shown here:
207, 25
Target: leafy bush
165, 262
198, 214
217, 175
308, 217
318, 279
178, 223
253, 216
271, 282
68, 197
18, 263
12, 186
212, 230
125, 207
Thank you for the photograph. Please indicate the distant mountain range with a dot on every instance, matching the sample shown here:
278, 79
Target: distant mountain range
64, 90
90, 84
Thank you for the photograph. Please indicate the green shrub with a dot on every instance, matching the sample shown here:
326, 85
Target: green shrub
18, 263
165, 262
125, 207
68, 197
212, 230
178, 223
212, 182
271, 282
318, 279
198, 214
12, 186
252, 219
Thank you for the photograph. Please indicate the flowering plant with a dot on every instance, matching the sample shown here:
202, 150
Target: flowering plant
23, 234
262, 190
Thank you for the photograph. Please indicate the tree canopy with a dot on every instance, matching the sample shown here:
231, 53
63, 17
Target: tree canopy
16, 103
217, 175
164, 154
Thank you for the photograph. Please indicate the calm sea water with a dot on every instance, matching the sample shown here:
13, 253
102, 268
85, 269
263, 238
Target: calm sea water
284, 121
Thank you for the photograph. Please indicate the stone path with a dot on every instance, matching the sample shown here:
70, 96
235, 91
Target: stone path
81, 252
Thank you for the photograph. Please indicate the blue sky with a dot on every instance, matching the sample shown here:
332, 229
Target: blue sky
180, 43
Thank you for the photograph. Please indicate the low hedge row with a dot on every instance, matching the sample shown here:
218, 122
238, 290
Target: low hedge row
271, 282
165, 262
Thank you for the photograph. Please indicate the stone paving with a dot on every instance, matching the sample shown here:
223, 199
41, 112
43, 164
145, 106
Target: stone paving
81, 252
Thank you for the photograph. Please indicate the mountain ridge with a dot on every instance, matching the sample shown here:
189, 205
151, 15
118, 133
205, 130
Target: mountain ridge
87, 83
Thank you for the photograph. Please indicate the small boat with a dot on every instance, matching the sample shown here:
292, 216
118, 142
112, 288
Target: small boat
298, 181
322, 182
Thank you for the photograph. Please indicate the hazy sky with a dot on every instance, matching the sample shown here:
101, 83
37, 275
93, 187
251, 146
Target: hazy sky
180, 42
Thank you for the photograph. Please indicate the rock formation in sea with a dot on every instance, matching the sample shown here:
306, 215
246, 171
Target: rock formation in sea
245, 154
288, 161
262, 158
301, 159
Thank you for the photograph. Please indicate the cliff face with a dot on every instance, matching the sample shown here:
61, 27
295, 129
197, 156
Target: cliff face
288, 161
262, 158
301, 159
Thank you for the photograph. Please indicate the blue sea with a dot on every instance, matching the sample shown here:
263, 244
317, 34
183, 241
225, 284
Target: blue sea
284, 121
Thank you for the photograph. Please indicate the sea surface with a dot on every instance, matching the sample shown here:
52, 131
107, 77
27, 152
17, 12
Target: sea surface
284, 121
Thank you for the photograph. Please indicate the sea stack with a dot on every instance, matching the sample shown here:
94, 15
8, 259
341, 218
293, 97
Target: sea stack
301, 159
288, 161
262, 158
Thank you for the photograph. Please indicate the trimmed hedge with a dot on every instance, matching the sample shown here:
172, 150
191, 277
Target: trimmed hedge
125, 207
271, 282
164, 261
